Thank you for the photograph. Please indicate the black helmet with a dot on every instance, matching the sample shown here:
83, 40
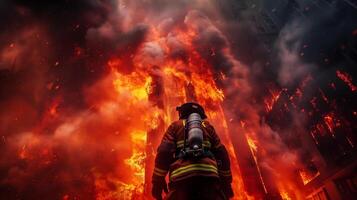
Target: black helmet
187, 108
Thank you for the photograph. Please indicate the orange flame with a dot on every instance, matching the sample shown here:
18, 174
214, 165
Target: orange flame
345, 77
254, 148
331, 122
285, 195
307, 177
134, 84
269, 102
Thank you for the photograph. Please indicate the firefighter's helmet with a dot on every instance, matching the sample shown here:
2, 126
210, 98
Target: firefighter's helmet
188, 108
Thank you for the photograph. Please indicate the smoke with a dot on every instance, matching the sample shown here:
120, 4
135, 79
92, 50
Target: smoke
65, 133
308, 53
73, 85
293, 69
298, 71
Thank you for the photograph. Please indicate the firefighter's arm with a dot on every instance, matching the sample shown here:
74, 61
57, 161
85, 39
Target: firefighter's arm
165, 153
163, 160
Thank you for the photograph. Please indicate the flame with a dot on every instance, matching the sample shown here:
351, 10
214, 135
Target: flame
307, 177
192, 81
53, 110
108, 188
345, 77
287, 190
254, 149
154, 119
285, 195
130, 95
23, 153
252, 143
137, 160
134, 84
114, 63
331, 122
205, 87
269, 102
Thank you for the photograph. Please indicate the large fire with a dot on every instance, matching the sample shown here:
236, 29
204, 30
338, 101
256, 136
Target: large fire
83, 120
137, 86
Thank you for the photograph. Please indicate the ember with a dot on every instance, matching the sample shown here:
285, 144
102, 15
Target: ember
347, 79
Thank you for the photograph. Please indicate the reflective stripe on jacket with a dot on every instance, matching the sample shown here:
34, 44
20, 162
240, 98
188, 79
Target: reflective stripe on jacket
179, 168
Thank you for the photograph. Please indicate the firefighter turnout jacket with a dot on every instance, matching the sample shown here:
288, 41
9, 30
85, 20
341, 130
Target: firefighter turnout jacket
215, 164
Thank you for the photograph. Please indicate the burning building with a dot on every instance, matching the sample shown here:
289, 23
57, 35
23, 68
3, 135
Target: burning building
329, 153
87, 89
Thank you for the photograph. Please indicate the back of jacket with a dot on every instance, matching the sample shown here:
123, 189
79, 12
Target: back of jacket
182, 168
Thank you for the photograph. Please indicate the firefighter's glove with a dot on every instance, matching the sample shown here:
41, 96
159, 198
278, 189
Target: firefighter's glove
227, 190
158, 186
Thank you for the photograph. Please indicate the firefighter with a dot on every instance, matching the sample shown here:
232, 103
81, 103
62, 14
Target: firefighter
195, 160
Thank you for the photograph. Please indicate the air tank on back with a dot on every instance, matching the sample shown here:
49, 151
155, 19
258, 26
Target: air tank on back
194, 131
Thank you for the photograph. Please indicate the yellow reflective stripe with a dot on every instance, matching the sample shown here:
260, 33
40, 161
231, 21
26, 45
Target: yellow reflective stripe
206, 143
203, 124
160, 170
193, 166
179, 142
159, 174
194, 169
183, 122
